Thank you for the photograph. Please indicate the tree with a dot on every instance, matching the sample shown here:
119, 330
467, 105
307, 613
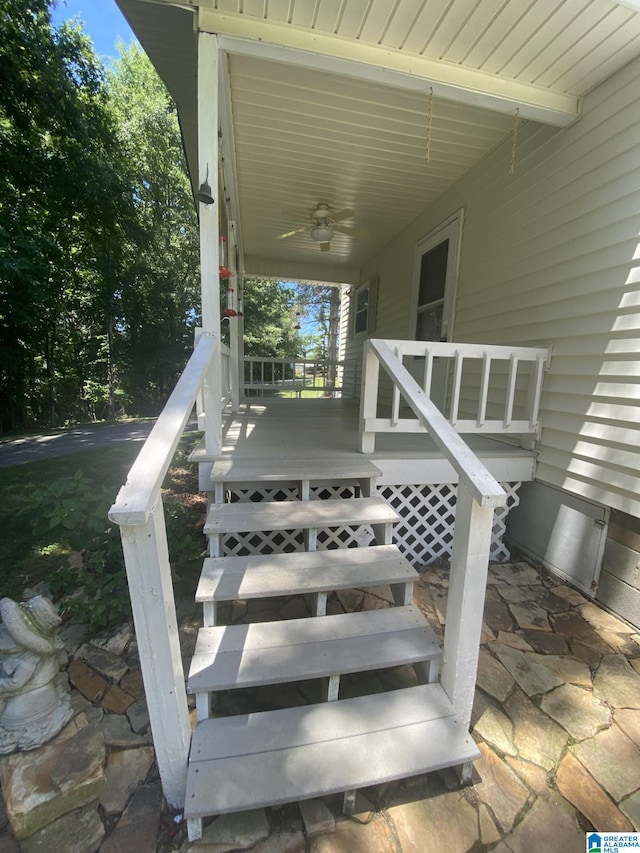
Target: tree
159, 300
62, 205
270, 319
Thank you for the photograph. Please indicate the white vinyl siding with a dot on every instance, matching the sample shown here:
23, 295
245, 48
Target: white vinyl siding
551, 256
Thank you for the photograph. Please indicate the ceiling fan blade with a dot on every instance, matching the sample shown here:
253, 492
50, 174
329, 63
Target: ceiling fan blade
342, 214
351, 232
325, 247
291, 233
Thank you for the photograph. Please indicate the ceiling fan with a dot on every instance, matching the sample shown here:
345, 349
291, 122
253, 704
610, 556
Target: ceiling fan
323, 226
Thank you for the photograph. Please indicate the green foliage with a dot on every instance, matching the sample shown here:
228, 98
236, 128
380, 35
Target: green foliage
98, 232
270, 319
72, 511
63, 211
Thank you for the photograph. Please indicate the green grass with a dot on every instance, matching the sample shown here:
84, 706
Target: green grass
30, 554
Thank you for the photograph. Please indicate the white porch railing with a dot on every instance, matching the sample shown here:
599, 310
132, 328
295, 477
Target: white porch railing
138, 511
478, 493
298, 375
489, 389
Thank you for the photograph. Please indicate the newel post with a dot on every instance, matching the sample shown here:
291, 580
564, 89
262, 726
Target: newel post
368, 398
465, 601
208, 214
154, 614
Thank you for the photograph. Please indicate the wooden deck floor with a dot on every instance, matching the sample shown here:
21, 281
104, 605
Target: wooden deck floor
328, 429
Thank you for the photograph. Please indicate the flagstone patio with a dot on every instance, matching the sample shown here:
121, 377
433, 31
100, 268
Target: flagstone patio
556, 717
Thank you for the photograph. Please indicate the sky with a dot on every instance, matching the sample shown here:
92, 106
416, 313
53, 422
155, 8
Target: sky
101, 20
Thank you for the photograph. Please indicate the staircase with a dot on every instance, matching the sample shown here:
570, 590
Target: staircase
273, 757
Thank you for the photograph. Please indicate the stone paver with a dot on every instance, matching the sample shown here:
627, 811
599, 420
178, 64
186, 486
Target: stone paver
497, 615
531, 675
573, 626
534, 776
603, 621
489, 832
631, 809
500, 789
569, 594
516, 641
613, 760
629, 721
518, 594
282, 840
108, 664
577, 710
137, 829
89, 683
238, 831
536, 736
547, 826
448, 823
546, 643
115, 700
516, 574
353, 837
617, 682
493, 678
126, 770
316, 817
44, 784
580, 788
568, 669
496, 729
118, 733
530, 617
80, 830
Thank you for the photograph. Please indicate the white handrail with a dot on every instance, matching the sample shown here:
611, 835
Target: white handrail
137, 497
480, 483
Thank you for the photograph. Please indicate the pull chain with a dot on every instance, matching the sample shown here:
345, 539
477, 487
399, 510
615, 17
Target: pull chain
514, 142
427, 152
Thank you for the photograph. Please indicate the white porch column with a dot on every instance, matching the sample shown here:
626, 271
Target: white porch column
465, 601
235, 323
209, 217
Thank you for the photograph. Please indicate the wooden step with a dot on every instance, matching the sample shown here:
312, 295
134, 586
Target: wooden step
233, 656
293, 470
269, 575
296, 515
275, 757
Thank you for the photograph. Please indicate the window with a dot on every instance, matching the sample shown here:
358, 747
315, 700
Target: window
361, 309
431, 289
364, 307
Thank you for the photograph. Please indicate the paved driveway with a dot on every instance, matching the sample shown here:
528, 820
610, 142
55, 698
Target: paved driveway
70, 440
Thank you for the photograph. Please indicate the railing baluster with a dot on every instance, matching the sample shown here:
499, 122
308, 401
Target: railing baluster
484, 389
395, 405
511, 391
428, 373
535, 390
457, 381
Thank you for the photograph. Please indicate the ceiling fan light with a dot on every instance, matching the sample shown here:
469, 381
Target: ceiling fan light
321, 233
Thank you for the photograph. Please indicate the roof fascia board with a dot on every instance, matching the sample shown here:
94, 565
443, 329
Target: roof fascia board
347, 57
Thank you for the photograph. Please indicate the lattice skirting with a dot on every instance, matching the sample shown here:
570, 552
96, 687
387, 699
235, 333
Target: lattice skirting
424, 532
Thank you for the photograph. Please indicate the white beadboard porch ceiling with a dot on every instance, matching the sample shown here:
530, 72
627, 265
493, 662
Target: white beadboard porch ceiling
301, 135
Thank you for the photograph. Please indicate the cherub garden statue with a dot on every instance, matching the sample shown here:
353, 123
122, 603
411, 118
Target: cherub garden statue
33, 708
